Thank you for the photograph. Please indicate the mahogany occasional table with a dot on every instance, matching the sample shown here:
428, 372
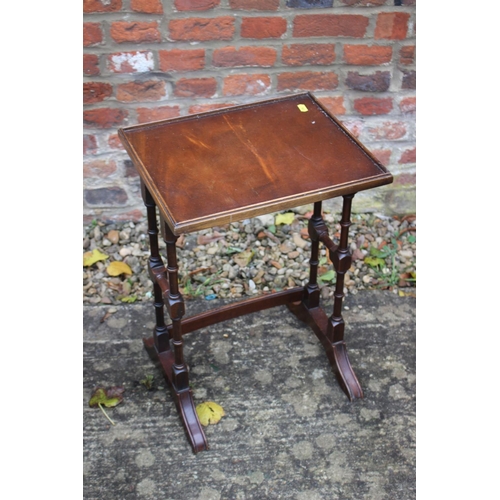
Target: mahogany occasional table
222, 166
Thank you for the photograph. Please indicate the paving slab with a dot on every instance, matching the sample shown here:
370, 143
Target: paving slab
289, 430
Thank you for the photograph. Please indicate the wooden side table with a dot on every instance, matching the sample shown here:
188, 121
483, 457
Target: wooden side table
222, 166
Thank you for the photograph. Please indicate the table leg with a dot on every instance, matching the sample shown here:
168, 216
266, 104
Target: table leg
166, 293
330, 331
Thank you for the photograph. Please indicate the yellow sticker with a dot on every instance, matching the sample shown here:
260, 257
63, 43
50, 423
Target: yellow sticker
302, 107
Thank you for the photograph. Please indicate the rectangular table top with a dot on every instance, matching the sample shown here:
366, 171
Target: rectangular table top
226, 165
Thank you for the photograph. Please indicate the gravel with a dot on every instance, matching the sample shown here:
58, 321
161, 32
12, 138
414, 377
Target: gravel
252, 257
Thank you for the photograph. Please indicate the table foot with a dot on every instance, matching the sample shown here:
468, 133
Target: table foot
183, 398
336, 351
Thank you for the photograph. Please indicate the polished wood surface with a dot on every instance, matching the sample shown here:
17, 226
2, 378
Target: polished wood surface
227, 165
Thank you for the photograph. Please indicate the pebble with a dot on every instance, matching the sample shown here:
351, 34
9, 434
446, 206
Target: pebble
280, 258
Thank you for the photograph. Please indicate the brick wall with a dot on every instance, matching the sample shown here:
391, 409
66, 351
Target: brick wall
147, 60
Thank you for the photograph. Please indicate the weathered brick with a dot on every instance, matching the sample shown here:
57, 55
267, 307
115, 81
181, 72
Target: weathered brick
355, 127
408, 105
409, 80
246, 84
335, 105
131, 215
388, 131
90, 6
150, 90
367, 54
147, 6
196, 87
92, 34
130, 170
408, 156
366, 3
182, 5
407, 55
308, 25
405, 179
376, 82
373, 105
145, 115
135, 31
307, 80
382, 155
254, 4
104, 117
244, 56
90, 64
89, 144
392, 25
130, 62
201, 108
263, 27
309, 4
182, 60
99, 168
114, 142
105, 196
96, 92
202, 29
310, 53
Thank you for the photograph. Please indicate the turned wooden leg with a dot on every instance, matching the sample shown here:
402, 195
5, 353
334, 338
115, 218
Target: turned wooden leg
330, 331
156, 266
342, 260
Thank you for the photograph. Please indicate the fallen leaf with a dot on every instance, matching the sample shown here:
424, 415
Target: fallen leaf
374, 261
117, 267
286, 218
130, 299
209, 413
243, 258
328, 276
92, 257
106, 397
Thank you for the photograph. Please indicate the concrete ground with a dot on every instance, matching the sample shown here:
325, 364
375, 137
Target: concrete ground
289, 431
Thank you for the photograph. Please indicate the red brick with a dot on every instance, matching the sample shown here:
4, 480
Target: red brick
254, 4
195, 87
307, 25
134, 31
310, 53
405, 180
367, 54
263, 27
89, 144
246, 84
104, 117
407, 55
151, 90
335, 105
181, 60
114, 142
375, 82
307, 80
355, 127
382, 155
92, 34
373, 105
244, 56
90, 6
196, 4
99, 168
90, 64
147, 6
408, 105
392, 25
409, 156
96, 92
130, 62
201, 108
389, 131
202, 29
145, 115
